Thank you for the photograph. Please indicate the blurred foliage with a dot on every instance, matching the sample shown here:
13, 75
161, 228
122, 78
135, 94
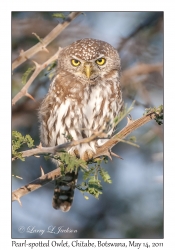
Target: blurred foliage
59, 15
26, 75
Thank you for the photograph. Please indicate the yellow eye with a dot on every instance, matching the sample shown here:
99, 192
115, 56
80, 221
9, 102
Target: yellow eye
75, 62
100, 61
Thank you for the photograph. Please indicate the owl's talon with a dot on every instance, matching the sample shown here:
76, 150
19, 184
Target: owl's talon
76, 153
88, 155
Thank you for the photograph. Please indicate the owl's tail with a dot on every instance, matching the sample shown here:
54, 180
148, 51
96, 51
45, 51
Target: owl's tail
64, 191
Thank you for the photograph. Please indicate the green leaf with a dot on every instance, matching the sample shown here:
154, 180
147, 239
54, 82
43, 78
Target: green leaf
94, 188
52, 65
105, 176
26, 75
51, 70
91, 184
17, 142
71, 162
95, 184
18, 155
158, 112
133, 139
88, 173
86, 197
47, 157
59, 15
29, 141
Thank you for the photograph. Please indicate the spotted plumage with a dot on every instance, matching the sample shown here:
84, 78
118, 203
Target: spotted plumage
84, 95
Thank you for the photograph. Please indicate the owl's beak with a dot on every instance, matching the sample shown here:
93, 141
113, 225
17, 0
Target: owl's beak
88, 70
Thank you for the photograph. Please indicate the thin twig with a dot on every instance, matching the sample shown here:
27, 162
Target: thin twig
24, 55
38, 69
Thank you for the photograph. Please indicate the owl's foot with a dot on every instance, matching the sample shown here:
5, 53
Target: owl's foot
75, 152
88, 155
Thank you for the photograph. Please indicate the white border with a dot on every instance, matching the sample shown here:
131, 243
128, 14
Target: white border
5, 97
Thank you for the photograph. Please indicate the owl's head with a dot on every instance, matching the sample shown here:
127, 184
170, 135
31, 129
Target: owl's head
90, 59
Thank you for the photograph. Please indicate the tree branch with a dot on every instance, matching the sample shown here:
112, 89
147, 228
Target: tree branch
58, 148
38, 69
103, 150
32, 186
130, 127
41, 46
140, 69
145, 24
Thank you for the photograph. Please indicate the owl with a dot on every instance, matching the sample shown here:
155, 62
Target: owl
84, 95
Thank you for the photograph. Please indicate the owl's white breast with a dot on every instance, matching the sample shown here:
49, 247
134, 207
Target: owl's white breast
79, 118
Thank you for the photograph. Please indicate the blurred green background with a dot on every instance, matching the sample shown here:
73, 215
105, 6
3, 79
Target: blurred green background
132, 206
